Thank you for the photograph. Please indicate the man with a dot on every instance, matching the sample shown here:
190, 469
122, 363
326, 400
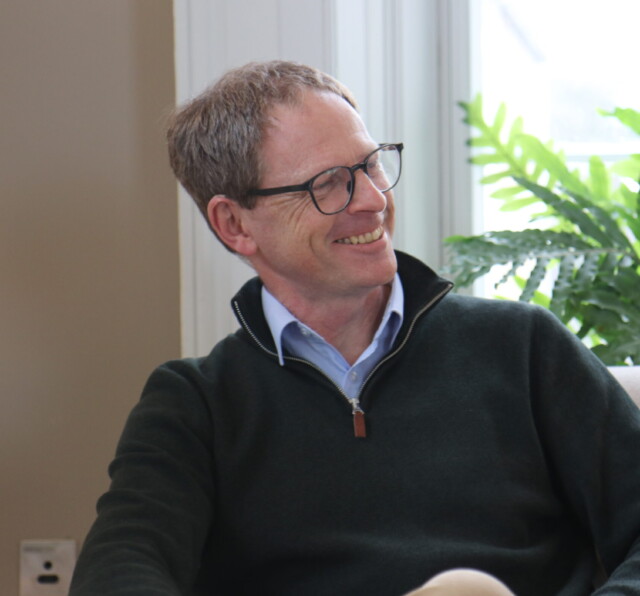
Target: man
364, 429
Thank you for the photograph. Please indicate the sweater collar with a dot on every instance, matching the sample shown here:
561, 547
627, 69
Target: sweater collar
420, 283
282, 322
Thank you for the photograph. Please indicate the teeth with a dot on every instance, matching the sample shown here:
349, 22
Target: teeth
363, 238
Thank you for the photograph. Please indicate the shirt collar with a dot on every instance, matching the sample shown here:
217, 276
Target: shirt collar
279, 317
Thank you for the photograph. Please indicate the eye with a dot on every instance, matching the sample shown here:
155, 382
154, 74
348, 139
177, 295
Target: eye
375, 167
374, 160
329, 181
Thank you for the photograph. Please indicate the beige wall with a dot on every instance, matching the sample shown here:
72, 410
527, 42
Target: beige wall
89, 282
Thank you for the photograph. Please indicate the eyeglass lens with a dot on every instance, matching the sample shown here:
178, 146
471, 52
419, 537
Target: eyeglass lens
332, 189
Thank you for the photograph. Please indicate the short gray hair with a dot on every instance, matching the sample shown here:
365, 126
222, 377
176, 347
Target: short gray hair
214, 140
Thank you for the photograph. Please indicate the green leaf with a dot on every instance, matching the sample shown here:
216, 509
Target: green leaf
508, 192
516, 130
605, 221
492, 178
629, 198
600, 180
609, 264
568, 210
456, 238
537, 172
515, 204
611, 355
534, 280
535, 150
481, 141
562, 285
610, 301
469, 255
499, 119
486, 158
603, 320
511, 273
621, 275
628, 167
474, 108
627, 116
541, 299
587, 271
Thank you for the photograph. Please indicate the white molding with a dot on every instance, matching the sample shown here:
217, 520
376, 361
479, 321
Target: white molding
212, 36
455, 85
420, 196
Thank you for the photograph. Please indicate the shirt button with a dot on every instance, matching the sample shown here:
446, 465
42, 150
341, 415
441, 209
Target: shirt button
353, 375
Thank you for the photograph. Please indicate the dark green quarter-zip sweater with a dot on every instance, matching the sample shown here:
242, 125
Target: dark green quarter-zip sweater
494, 440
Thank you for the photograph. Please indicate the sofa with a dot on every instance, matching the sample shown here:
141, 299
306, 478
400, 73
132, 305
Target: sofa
629, 378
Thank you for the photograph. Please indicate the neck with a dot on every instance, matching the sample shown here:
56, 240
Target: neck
348, 324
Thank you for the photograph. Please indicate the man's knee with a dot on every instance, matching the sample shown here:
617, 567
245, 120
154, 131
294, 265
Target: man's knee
462, 582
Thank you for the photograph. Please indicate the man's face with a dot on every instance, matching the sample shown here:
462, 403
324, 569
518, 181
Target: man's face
300, 253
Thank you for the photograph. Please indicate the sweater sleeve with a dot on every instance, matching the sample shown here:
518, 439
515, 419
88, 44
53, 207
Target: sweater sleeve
153, 521
590, 429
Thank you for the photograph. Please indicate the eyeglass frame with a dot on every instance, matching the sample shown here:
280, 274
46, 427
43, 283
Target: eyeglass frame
306, 186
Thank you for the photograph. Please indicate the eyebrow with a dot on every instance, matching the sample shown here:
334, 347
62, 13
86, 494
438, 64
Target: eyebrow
365, 154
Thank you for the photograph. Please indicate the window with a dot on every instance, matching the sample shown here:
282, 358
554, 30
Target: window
555, 63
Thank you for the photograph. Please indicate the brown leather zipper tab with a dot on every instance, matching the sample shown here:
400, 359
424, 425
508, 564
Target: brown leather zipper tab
359, 424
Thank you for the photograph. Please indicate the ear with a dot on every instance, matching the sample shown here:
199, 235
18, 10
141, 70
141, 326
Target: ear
227, 220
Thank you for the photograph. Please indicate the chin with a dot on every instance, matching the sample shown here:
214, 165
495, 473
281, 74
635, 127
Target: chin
385, 268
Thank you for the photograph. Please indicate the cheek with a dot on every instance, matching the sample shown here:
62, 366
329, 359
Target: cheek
390, 215
292, 227
307, 226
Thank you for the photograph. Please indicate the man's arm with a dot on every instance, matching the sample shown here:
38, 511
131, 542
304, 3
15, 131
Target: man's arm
591, 432
153, 521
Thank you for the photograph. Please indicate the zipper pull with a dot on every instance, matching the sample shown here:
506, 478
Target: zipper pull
359, 423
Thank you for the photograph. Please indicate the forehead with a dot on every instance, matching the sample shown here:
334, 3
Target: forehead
321, 130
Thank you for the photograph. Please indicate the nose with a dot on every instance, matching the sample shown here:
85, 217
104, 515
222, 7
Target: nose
366, 195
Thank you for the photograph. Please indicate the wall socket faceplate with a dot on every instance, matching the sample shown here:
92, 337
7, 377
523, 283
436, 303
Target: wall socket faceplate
46, 567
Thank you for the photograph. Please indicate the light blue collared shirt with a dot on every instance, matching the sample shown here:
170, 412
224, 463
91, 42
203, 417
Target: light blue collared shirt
303, 342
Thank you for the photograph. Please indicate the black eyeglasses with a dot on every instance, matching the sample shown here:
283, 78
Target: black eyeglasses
332, 190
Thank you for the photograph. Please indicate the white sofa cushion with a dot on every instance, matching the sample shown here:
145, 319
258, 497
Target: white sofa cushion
629, 378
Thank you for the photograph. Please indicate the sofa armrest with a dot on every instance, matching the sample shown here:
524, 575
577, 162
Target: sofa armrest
629, 378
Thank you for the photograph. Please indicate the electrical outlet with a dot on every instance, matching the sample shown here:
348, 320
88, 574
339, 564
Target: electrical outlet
46, 567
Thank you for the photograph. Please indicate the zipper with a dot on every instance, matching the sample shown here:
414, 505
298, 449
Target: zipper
390, 355
359, 421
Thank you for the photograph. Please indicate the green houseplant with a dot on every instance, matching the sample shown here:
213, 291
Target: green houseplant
582, 259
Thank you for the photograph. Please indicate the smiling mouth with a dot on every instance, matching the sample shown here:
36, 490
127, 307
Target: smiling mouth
363, 238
